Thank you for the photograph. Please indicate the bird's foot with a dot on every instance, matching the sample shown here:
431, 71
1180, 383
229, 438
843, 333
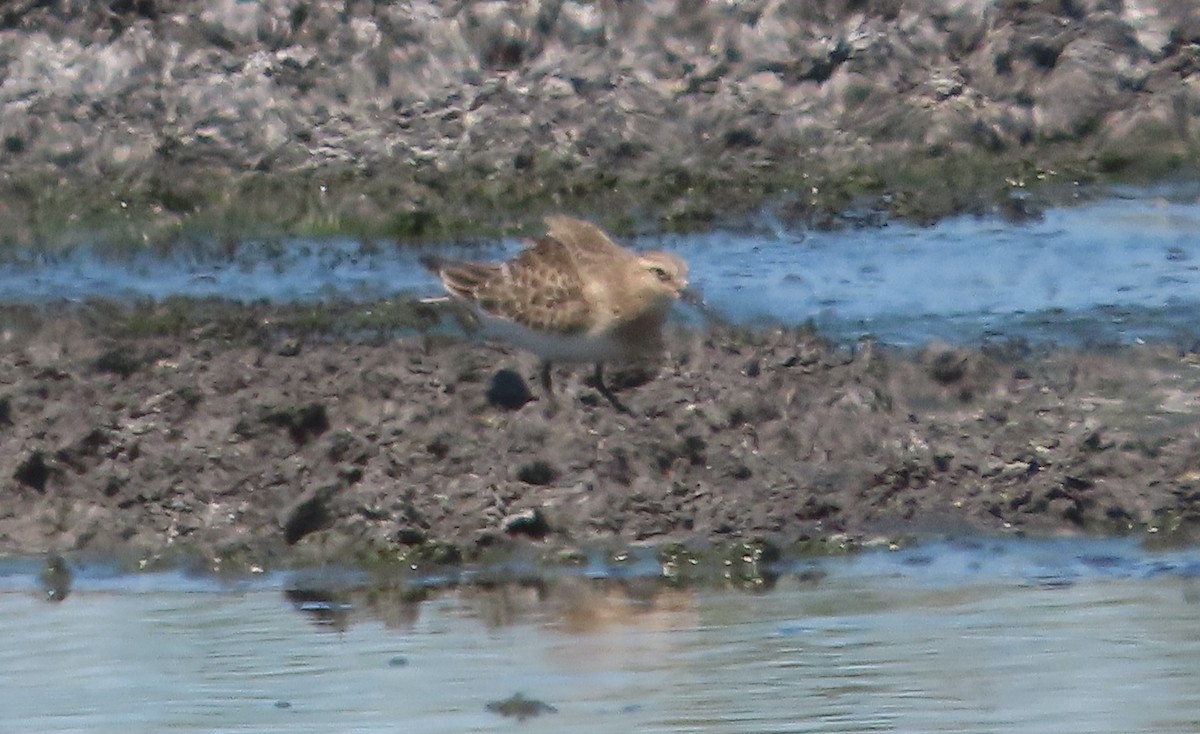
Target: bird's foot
609, 395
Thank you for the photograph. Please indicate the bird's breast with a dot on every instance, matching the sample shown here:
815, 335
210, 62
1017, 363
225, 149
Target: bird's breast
553, 346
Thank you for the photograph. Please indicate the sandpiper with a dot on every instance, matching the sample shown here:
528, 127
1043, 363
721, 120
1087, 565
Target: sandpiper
572, 295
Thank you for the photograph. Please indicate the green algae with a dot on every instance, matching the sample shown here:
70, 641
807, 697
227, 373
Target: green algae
169, 209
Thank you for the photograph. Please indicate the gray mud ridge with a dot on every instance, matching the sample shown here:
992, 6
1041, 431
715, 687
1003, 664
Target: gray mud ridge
298, 452
523, 104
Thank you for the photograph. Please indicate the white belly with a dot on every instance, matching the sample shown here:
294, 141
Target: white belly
554, 347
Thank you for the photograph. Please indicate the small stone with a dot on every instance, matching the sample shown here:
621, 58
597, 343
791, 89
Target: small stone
528, 522
540, 473
33, 472
118, 362
1095, 441
1017, 469
508, 390
948, 367
302, 422
308, 514
520, 707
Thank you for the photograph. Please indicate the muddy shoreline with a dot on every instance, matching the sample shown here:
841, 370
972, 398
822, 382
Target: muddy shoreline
286, 450
159, 120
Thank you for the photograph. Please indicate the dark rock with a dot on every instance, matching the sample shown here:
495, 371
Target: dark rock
948, 367
435, 553
439, 447
308, 514
33, 471
531, 523
410, 536
82, 453
346, 446
189, 395
302, 423
816, 509
507, 390
1095, 441
1008, 351
290, 348
119, 361
112, 486
619, 469
693, 447
1077, 483
538, 472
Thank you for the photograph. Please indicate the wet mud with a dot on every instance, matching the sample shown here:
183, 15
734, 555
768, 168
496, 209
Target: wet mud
298, 450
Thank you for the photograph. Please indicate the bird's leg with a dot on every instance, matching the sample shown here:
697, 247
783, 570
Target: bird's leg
548, 388
608, 394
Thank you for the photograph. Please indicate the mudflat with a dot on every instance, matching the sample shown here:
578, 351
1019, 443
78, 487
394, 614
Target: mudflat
296, 451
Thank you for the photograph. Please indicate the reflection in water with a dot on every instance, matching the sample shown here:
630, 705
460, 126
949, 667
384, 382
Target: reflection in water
580, 605
55, 578
335, 600
984, 636
327, 609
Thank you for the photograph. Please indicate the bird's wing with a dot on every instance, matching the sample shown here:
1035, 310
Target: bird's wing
540, 289
584, 242
463, 279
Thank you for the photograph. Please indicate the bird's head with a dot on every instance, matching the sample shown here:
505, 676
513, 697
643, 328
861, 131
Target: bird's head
664, 276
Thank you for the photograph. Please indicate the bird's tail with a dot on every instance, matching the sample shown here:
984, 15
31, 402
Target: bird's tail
462, 279
432, 263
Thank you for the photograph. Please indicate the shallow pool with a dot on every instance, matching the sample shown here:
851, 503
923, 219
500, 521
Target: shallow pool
980, 636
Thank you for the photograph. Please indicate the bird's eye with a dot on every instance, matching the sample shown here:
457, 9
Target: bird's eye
662, 274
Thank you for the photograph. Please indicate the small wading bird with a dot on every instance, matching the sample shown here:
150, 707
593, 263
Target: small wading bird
571, 296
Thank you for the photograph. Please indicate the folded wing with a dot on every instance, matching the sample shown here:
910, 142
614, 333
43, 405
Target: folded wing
540, 289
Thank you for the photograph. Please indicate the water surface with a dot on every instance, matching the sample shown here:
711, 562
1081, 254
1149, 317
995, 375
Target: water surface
1114, 270
983, 636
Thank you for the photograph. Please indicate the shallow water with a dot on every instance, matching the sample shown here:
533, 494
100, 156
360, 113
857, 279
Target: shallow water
1114, 270
1072, 636
1110, 271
